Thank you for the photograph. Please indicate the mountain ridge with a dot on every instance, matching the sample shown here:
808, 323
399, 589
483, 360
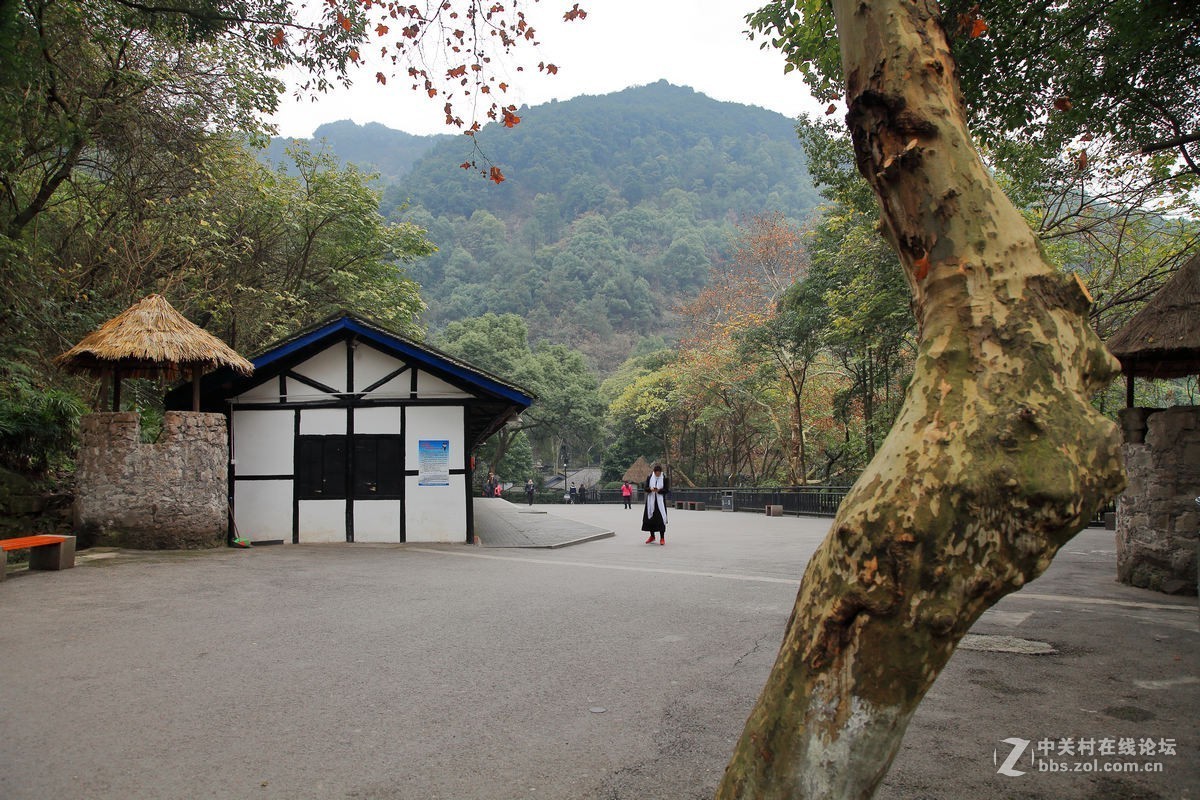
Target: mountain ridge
614, 209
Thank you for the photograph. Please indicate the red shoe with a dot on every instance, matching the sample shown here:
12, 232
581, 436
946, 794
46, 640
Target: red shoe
662, 541
651, 539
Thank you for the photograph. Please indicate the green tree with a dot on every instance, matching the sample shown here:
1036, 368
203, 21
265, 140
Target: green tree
567, 409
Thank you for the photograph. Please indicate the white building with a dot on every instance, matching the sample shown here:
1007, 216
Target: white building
348, 432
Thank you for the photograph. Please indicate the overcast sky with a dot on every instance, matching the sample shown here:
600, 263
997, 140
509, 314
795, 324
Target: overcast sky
622, 43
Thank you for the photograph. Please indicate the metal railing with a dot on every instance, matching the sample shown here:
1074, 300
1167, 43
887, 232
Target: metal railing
799, 501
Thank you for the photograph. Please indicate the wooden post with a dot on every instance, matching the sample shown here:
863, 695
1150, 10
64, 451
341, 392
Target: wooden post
116, 389
196, 372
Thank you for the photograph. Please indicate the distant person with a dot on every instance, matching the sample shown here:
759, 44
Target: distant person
582, 496
489, 485
529, 490
573, 494
627, 494
499, 491
654, 518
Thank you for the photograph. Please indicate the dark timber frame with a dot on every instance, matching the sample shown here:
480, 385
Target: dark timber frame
488, 404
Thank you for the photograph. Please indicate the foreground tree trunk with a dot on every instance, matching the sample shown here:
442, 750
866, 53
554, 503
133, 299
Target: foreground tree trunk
995, 461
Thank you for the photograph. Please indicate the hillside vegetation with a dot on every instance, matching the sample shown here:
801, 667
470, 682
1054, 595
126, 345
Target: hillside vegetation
613, 211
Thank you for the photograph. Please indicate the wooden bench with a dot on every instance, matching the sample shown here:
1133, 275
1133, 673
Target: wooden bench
773, 510
695, 505
46, 551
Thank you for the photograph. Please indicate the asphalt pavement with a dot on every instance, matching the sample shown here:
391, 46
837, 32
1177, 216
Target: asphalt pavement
609, 669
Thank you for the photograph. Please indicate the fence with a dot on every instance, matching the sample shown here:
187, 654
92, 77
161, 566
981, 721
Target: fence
800, 501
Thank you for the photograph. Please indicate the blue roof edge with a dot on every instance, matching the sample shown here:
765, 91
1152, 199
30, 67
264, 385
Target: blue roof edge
410, 349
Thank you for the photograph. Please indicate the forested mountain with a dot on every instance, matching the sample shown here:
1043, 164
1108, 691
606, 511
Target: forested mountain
372, 147
612, 211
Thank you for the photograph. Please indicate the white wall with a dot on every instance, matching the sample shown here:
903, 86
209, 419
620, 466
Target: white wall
322, 422
377, 520
263, 442
370, 365
265, 392
430, 387
435, 513
377, 420
327, 367
262, 510
322, 521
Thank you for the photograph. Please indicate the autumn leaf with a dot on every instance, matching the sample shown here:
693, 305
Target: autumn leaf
831, 110
379, 76
575, 13
1081, 160
345, 22
921, 267
381, 29
977, 28
511, 120
495, 175
353, 54
549, 69
278, 39
1063, 103
467, 164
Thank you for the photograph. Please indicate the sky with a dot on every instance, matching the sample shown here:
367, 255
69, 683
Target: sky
697, 43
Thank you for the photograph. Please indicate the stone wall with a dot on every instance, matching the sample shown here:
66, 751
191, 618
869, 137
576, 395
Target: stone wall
1158, 520
163, 496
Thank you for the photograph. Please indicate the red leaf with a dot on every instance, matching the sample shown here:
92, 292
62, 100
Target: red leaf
353, 54
381, 29
466, 165
977, 28
379, 76
1063, 103
278, 38
1081, 160
831, 110
495, 175
921, 267
511, 120
345, 22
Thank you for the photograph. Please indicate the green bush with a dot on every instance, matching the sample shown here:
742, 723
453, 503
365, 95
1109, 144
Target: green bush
38, 427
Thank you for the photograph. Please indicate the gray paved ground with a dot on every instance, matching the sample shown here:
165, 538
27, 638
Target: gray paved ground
457, 672
499, 523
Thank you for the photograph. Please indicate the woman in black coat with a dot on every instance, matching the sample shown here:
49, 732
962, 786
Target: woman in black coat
654, 517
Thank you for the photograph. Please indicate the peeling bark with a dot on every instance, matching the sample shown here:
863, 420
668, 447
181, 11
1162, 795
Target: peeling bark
996, 460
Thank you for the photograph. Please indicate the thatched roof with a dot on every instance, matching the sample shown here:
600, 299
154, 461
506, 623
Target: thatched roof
638, 472
1163, 339
151, 339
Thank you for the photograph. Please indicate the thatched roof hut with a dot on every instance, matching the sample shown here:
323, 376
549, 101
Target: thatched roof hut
638, 472
1163, 339
150, 339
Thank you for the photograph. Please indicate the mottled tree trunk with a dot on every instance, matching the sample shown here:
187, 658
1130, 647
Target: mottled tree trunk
994, 462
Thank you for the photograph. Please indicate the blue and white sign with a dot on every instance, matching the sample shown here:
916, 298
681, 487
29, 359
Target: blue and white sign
433, 462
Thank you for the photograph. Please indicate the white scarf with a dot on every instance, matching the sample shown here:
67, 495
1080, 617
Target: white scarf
656, 482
